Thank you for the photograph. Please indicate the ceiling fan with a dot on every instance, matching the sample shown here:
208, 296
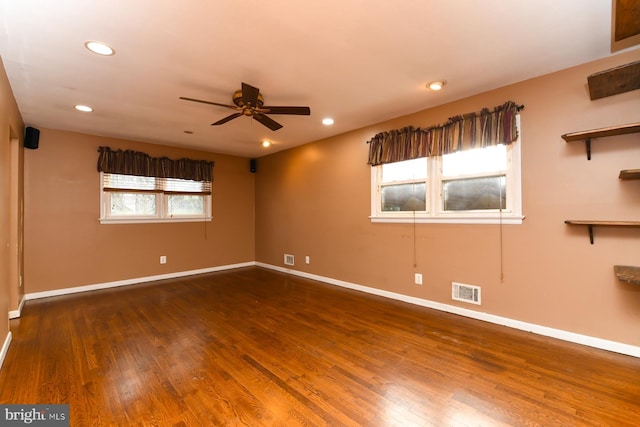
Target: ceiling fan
249, 102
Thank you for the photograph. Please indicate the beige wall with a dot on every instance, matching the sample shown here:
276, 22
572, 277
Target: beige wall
66, 246
315, 200
11, 131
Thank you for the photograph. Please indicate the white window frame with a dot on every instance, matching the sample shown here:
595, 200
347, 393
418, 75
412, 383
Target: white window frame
512, 214
162, 214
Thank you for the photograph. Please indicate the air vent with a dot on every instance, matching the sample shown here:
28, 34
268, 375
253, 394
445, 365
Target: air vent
465, 293
288, 259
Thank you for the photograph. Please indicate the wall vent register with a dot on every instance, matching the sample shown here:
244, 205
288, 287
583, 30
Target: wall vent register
288, 259
465, 293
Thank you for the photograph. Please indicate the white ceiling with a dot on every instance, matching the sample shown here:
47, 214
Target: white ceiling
358, 61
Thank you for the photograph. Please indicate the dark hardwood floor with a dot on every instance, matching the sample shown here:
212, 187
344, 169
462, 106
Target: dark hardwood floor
255, 347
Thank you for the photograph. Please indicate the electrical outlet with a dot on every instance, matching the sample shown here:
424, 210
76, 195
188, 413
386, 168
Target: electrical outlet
418, 278
163, 259
307, 259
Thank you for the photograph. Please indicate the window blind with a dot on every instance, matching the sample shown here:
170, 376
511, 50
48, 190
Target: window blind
150, 184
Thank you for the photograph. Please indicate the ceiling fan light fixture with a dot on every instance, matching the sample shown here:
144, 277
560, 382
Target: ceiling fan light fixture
328, 121
437, 85
83, 108
99, 48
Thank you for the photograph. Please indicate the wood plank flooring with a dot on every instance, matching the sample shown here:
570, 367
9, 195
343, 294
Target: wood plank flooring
253, 347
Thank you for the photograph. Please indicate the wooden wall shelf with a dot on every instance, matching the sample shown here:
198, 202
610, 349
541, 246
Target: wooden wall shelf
591, 224
630, 174
587, 135
619, 79
627, 274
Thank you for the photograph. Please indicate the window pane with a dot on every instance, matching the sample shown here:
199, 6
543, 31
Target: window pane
186, 205
405, 171
133, 204
406, 197
474, 194
471, 162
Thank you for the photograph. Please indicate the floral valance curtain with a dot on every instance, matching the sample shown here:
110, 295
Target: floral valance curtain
129, 162
463, 132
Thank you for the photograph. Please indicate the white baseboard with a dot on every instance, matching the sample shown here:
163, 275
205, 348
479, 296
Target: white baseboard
14, 314
599, 343
94, 287
5, 348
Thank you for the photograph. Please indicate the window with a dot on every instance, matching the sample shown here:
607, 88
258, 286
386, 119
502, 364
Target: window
472, 186
130, 198
403, 186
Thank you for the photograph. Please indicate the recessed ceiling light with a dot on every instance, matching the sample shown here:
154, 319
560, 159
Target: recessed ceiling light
328, 121
84, 108
437, 85
99, 48
266, 143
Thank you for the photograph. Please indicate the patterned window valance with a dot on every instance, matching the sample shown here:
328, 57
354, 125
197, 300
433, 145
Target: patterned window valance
471, 130
129, 162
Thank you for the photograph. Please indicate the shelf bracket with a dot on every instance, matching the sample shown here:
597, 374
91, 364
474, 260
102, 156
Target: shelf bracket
591, 224
588, 144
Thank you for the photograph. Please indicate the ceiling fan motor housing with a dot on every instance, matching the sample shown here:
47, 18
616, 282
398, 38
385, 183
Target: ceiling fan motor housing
237, 99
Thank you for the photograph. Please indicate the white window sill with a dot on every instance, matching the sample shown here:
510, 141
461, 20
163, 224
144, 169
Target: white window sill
151, 220
511, 219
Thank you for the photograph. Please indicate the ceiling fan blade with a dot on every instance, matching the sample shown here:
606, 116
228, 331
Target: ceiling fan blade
226, 119
267, 121
209, 102
250, 95
301, 111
